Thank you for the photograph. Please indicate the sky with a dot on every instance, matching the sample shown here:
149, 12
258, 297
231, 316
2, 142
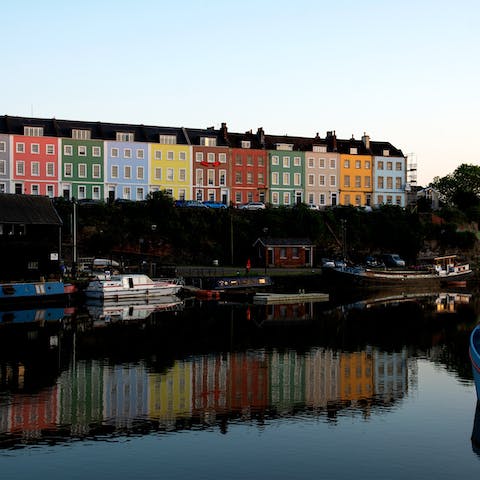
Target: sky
403, 72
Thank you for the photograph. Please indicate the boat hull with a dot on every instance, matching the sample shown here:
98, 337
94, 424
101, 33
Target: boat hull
138, 293
31, 292
474, 351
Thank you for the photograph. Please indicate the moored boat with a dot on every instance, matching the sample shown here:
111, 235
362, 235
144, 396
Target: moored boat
25, 292
474, 351
116, 287
443, 271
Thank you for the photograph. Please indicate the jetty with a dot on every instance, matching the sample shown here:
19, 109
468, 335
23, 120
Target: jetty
283, 298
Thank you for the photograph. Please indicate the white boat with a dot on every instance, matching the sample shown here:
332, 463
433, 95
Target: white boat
117, 287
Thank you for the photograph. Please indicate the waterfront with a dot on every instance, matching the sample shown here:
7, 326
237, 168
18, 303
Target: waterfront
376, 389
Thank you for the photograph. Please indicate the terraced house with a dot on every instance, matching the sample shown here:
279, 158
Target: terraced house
107, 161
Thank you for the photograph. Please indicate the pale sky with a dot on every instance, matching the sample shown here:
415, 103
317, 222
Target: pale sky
405, 72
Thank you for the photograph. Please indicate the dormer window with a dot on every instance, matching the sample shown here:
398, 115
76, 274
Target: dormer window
246, 144
386, 153
320, 148
33, 131
284, 146
168, 139
353, 150
78, 134
208, 141
125, 137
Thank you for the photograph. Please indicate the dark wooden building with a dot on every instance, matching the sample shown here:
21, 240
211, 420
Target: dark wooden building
30, 237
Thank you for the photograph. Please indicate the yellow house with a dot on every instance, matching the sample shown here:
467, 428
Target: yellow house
356, 185
356, 376
170, 169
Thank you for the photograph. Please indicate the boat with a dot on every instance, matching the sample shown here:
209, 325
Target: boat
34, 315
33, 292
137, 285
474, 351
443, 271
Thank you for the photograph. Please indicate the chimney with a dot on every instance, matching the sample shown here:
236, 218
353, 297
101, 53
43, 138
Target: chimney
261, 136
224, 131
366, 140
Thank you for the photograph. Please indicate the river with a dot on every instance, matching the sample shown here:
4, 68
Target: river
377, 387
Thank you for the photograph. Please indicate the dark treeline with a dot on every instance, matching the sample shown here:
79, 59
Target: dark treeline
157, 229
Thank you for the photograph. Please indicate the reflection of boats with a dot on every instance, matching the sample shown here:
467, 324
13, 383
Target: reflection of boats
443, 271
31, 316
109, 312
135, 285
475, 357
23, 292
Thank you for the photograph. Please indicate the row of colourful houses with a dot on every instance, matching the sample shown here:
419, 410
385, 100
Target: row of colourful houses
100, 161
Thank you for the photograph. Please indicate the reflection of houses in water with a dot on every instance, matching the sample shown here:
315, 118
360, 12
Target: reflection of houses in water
205, 388
289, 312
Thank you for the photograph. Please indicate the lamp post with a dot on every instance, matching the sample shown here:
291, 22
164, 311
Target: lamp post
265, 231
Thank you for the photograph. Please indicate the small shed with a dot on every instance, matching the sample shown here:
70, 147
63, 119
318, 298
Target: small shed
30, 237
284, 252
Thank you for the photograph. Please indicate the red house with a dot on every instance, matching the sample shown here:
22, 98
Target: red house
284, 252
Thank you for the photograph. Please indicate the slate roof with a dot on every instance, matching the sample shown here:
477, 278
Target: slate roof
27, 209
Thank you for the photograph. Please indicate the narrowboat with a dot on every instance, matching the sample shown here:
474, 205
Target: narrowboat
25, 292
474, 351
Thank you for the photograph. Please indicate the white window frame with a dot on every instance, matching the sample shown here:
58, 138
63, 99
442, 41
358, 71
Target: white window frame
127, 172
50, 149
82, 170
96, 151
82, 151
66, 168
96, 170
140, 172
140, 154
35, 169
114, 171
158, 173
3, 146
20, 168
96, 192
68, 150
170, 174
127, 153
20, 147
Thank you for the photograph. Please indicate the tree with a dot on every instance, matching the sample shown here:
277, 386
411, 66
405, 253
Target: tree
460, 188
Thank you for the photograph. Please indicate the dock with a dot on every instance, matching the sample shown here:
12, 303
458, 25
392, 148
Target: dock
279, 298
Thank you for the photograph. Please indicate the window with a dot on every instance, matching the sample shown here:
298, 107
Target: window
321, 163
50, 149
389, 165
125, 137
50, 191
311, 163
170, 174
223, 177
3, 167
96, 170
380, 165
140, 173
20, 167
347, 199
68, 150
295, 251
275, 160
158, 155
358, 200
182, 156
96, 192
140, 154
320, 148
380, 182
321, 199
82, 150
82, 170
311, 198
398, 183
286, 162
386, 153
297, 161
35, 148
127, 193
249, 178
297, 179
67, 170
284, 146
168, 139
246, 143
182, 175
114, 171
333, 180
398, 200
275, 178
333, 163
158, 174
321, 180
199, 177
380, 199
96, 151
367, 181
3, 146
353, 151
199, 195
127, 171
346, 181
358, 181
181, 194
346, 163
367, 164
261, 161
238, 178
170, 155
398, 166
249, 161
311, 180
389, 199
286, 198
238, 197
127, 153
82, 192
389, 183
275, 198
211, 177
260, 178
208, 141
139, 193
20, 147
286, 178
33, 131
199, 156
114, 152
222, 157
35, 190
35, 169
358, 164
210, 157
211, 195
238, 160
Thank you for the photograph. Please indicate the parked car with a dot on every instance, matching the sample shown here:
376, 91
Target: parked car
253, 206
312, 206
189, 204
210, 204
392, 260
328, 263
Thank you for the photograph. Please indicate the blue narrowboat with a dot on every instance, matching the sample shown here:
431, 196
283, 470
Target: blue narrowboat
18, 292
475, 357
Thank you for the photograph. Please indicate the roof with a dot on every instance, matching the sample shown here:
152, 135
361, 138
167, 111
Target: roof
27, 209
284, 242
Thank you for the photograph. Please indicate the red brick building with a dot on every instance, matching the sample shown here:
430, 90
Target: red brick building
284, 252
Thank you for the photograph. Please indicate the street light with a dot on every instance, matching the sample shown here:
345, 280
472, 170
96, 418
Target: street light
265, 231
